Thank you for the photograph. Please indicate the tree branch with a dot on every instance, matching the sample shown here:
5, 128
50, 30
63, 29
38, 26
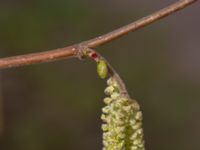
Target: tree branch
74, 50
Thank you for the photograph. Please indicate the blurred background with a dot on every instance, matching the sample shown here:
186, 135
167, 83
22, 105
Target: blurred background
58, 105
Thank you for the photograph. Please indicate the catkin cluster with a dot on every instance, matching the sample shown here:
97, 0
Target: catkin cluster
122, 127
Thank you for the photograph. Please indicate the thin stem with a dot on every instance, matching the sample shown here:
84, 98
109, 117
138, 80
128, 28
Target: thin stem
138, 24
73, 51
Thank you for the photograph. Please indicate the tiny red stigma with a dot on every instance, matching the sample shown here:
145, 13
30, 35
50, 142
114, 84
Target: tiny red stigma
94, 55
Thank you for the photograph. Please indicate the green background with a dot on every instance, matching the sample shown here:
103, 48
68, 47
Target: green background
58, 105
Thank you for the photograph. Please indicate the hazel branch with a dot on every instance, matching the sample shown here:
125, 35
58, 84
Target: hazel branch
74, 50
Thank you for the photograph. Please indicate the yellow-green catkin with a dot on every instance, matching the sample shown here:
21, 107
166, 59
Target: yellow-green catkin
122, 127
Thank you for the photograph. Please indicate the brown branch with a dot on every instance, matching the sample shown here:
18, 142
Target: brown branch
74, 50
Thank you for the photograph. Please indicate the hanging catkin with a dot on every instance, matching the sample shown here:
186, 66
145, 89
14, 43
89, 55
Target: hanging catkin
122, 127
122, 118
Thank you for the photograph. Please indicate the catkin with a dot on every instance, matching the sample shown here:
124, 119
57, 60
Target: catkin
122, 121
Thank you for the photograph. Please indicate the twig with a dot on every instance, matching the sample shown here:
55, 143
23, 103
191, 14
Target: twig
74, 50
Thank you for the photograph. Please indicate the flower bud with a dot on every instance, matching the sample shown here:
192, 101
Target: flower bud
102, 69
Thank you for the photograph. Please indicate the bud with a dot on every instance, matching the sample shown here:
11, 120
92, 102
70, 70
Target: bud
102, 69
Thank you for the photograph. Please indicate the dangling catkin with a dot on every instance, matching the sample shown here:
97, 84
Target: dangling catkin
122, 127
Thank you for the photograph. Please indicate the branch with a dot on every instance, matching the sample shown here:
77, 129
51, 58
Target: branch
75, 50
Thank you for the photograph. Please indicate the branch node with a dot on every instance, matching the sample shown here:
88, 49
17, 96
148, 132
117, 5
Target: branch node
81, 49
